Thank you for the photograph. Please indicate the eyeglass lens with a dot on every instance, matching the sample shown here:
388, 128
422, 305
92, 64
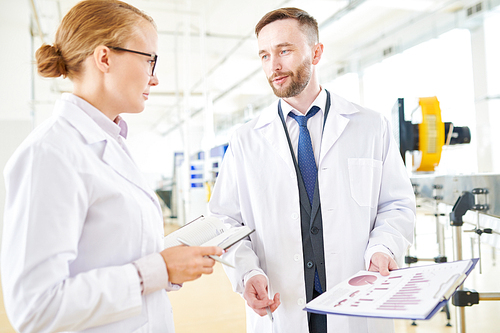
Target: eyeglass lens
153, 65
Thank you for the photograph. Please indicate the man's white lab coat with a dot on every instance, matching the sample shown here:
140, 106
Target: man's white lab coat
78, 213
367, 203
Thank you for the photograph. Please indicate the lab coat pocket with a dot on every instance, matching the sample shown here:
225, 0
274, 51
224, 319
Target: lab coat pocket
364, 178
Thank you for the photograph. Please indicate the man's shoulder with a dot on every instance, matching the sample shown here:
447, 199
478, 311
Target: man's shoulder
263, 117
354, 110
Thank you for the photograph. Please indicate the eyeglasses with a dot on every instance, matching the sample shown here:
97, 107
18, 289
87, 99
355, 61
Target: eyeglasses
152, 62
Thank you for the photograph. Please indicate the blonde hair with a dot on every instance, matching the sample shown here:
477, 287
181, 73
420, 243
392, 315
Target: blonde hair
88, 24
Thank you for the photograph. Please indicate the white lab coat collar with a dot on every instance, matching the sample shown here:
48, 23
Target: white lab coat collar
113, 128
269, 124
69, 107
339, 106
73, 113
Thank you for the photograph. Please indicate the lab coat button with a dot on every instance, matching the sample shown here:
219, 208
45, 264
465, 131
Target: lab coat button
300, 301
314, 230
296, 257
291, 174
295, 216
310, 264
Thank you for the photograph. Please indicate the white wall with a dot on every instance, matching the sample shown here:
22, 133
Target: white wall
459, 67
440, 67
15, 82
489, 97
15, 59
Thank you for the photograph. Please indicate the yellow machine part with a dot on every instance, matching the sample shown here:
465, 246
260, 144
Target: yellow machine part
431, 133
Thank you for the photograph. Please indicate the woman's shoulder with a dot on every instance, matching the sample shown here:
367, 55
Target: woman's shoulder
53, 137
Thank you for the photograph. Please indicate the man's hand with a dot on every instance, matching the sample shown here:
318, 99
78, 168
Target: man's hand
383, 263
256, 295
187, 263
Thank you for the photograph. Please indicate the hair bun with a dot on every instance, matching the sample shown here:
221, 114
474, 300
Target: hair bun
50, 61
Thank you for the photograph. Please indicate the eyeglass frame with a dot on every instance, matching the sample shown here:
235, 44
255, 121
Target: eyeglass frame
155, 56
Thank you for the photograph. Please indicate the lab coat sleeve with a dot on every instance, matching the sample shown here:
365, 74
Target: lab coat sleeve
394, 223
46, 207
225, 204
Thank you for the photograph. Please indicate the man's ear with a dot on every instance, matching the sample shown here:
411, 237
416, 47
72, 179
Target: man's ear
317, 53
102, 58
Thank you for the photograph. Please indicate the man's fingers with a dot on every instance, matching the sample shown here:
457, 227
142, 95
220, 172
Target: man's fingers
272, 304
277, 302
393, 265
384, 271
262, 294
256, 294
382, 263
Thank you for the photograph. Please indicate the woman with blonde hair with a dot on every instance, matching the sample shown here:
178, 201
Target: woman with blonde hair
83, 233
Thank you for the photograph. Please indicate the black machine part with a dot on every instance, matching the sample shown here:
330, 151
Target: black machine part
465, 297
458, 135
462, 205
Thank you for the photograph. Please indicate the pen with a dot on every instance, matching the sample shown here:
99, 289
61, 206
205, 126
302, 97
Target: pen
269, 313
214, 257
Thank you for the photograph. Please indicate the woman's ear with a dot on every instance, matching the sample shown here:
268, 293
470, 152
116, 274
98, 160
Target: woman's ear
102, 58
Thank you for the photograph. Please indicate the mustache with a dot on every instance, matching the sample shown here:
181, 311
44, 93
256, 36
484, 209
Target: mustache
279, 74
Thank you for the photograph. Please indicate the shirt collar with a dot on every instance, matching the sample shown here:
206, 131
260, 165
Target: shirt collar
123, 126
113, 128
320, 102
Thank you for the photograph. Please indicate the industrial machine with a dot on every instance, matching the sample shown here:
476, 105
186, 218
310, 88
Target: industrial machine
425, 140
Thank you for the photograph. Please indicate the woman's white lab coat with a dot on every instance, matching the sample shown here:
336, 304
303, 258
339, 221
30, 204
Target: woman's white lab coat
367, 202
78, 213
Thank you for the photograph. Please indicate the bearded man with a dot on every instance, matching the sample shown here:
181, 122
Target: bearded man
320, 180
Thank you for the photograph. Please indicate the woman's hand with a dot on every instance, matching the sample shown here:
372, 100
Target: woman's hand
187, 263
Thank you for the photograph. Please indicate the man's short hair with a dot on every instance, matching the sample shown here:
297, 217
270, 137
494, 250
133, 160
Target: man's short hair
307, 23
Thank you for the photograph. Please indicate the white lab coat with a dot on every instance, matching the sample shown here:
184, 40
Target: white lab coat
78, 213
366, 200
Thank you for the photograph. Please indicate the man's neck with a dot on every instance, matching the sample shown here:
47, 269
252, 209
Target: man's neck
302, 101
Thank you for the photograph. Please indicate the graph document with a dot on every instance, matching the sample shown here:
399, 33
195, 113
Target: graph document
408, 293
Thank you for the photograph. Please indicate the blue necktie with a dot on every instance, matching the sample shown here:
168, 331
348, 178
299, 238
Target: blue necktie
305, 154
307, 165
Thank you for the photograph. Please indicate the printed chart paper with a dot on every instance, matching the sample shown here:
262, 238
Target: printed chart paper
408, 293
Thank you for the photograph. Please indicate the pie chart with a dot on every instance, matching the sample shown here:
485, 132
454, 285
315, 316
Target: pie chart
362, 280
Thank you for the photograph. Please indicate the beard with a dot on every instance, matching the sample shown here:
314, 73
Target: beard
299, 81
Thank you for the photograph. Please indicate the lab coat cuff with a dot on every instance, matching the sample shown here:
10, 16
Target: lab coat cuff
154, 275
372, 250
253, 273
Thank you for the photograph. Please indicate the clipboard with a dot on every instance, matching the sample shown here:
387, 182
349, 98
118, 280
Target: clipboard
415, 293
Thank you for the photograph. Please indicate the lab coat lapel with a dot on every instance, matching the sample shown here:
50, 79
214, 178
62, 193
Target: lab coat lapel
272, 129
270, 126
336, 123
116, 158
113, 154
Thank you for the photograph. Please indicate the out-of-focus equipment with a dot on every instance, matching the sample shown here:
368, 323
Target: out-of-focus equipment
215, 160
425, 140
468, 297
478, 207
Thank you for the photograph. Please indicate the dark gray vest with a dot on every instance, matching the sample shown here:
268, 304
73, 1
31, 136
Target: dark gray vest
311, 221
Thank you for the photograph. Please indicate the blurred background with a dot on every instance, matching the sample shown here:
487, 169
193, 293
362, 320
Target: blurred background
387, 55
